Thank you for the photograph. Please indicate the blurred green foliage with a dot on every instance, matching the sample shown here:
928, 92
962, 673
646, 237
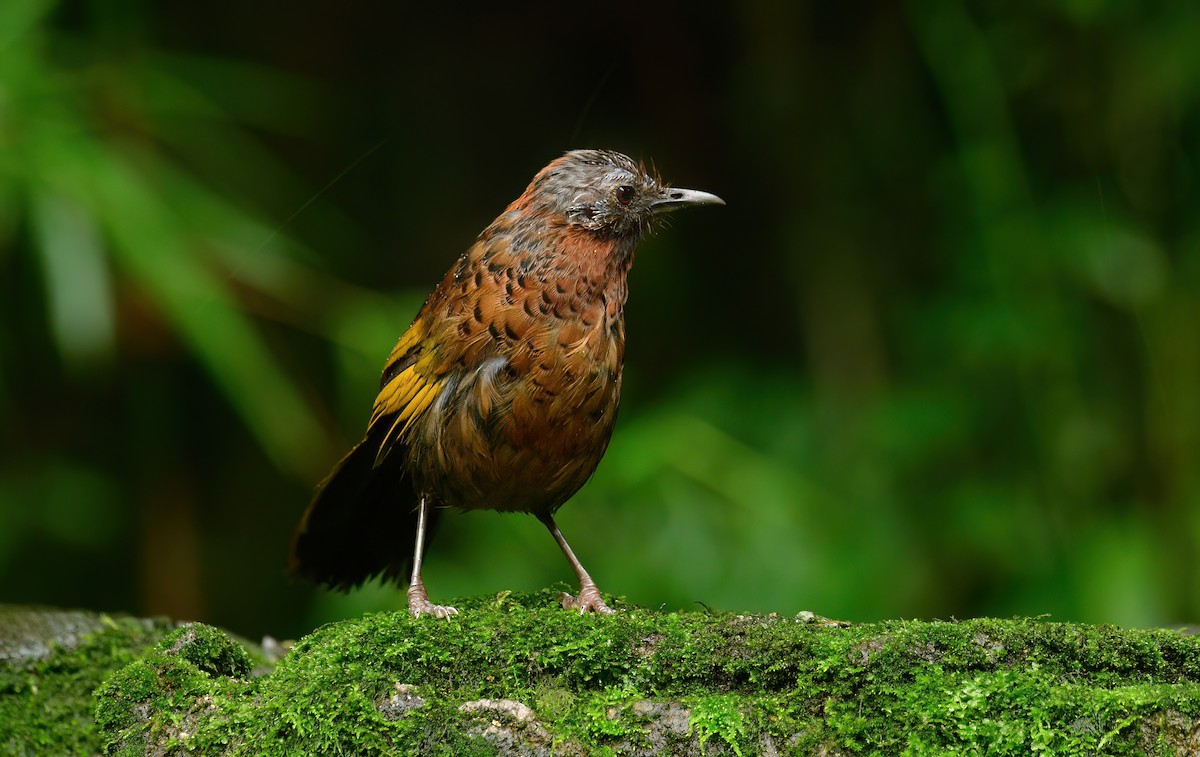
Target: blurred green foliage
938, 356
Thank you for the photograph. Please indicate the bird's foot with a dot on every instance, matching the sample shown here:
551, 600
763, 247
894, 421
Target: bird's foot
588, 600
419, 604
425, 607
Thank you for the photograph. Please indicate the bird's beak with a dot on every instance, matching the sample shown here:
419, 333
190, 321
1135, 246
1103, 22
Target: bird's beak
674, 198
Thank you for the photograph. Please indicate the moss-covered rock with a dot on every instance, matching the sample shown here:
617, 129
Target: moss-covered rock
159, 702
50, 663
517, 675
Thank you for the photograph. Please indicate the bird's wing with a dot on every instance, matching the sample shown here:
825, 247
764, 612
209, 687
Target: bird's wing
415, 373
366, 505
463, 324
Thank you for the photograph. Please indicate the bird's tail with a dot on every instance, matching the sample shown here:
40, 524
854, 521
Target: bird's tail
362, 521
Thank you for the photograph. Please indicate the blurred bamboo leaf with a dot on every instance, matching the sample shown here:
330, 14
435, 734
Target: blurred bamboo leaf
205, 312
102, 194
79, 290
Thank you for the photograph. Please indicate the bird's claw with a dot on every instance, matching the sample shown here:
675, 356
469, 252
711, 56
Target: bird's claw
429, 608
588, 601
419, 604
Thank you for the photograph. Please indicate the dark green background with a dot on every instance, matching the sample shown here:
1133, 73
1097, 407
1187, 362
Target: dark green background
938, 357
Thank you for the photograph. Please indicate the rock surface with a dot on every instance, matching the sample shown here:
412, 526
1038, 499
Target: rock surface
517, 675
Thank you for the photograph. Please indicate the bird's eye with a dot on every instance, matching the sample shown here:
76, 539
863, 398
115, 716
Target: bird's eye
625, 194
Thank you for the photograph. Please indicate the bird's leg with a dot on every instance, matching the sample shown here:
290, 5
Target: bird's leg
589, 595
418, 599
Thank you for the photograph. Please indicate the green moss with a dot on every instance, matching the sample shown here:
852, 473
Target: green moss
719, 716
50, 662
210, 650
1007, 687
653, 682
164, 699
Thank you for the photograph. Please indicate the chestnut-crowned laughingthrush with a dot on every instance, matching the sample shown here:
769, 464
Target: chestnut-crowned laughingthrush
503, 392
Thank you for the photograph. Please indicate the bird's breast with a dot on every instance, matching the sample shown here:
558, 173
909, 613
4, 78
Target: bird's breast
529, 406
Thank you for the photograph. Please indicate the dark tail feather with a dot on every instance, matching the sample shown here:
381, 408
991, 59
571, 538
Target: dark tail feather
361, 523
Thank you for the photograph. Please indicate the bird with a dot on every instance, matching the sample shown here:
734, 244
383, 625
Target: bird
503, 393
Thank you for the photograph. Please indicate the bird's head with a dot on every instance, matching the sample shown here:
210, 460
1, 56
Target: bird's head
606, 193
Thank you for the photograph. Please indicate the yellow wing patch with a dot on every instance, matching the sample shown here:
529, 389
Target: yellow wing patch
409, 392
410, 342
398, 393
